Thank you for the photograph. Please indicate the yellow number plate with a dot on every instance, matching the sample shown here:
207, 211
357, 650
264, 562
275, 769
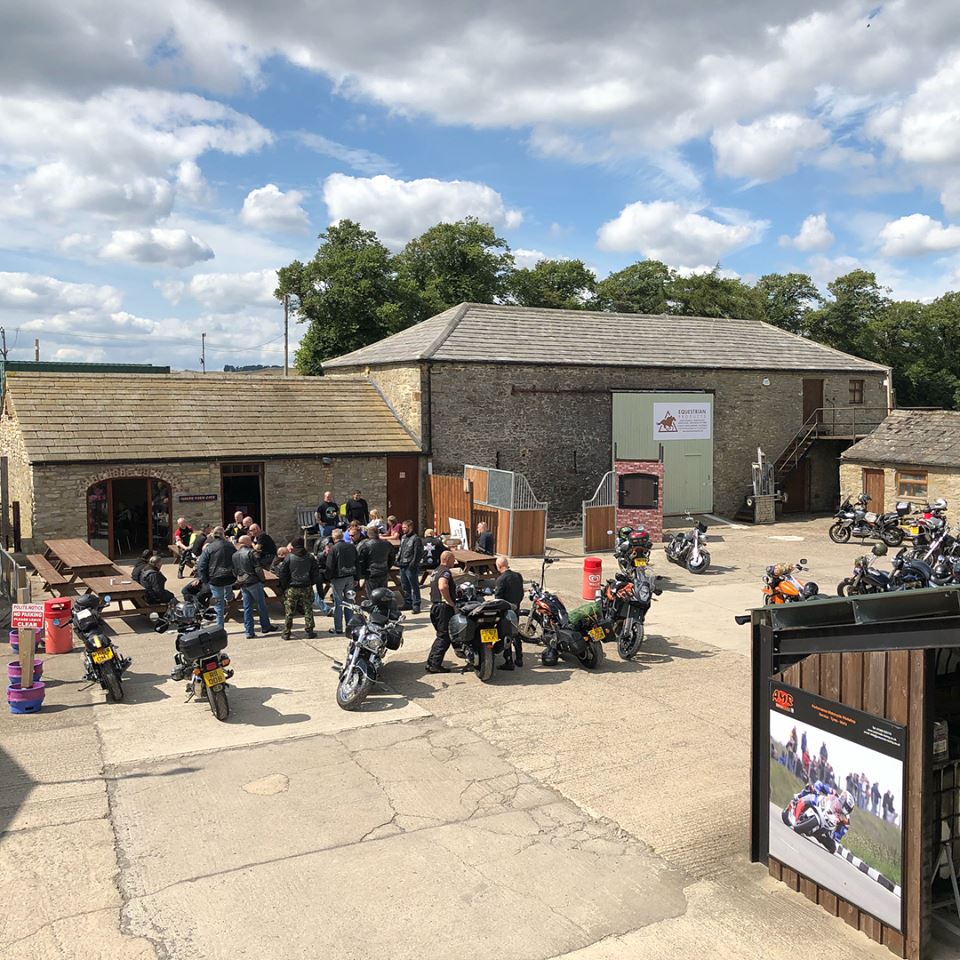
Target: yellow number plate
489, 635
913, 531
212, 677
102, 656
640, 562
596, 633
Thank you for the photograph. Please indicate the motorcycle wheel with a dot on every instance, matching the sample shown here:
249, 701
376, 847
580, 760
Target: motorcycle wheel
219, 705
486, 662
893, 536
785, 816
699, 566
111, 680
594, 655
353, 690
839, 533
531, 629
629, 641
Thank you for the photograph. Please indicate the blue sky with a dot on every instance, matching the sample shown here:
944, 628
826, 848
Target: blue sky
159, 162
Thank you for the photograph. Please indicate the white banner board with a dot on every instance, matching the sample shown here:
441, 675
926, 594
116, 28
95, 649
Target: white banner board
682, 421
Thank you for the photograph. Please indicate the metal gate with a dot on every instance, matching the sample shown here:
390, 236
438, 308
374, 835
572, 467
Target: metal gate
504, 501
599, 516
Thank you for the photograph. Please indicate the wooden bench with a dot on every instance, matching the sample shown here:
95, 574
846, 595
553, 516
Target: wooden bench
53, 581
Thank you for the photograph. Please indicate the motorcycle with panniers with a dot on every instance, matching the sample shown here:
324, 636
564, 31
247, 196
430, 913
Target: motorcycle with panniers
102, 661
482, 627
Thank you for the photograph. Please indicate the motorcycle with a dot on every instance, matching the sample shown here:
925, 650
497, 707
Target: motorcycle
781, 585
854, 520
817, 818
548, 623
102, 661
633, 549
932, 536
199, 657
907, 574
623, 602
686, 549
375, 626
481, 628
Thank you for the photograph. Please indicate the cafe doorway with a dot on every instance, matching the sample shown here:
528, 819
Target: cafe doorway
242, 490
127, 515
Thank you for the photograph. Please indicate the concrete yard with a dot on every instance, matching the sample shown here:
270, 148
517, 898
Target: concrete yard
553, 813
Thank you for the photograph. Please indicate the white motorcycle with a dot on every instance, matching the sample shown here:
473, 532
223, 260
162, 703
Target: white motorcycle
818, 820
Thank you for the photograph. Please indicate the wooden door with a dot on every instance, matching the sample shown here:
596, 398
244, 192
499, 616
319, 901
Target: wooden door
872, 484
403, 488
812, 399
596, 522
797, 488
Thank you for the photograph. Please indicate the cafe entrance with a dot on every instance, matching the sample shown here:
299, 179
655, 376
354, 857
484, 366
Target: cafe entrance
127, 515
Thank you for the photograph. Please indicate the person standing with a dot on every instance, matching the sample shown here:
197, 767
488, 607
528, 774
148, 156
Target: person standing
249, 574
215, 567
374, 559
328, 514
875, 797
264, 545
509, 587
409, 557
484, 539
357, 509
299, 573
342, 574
442, 608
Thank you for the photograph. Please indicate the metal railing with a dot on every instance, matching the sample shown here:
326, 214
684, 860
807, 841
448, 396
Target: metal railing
852, 421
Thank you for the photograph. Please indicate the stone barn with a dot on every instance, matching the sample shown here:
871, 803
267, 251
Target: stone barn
116, 458
558, 395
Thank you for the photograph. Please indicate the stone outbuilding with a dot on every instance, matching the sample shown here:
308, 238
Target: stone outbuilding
116, 458
558, 395
914, 455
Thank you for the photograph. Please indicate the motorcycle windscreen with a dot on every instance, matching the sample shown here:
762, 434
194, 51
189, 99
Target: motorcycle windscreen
462, 629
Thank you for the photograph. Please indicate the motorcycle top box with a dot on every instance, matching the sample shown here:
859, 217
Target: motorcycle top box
205, 642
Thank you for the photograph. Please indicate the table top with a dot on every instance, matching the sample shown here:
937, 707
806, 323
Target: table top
124, 587
471, 556
77, 553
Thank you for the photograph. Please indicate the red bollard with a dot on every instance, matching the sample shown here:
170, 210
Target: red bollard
592, 577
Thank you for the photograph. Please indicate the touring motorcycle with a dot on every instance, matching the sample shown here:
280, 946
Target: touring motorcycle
102, 661
482, 627
633, 548
854, 520
623, 602
686, 549
907, 574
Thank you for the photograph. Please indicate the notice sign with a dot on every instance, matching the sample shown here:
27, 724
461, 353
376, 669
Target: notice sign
27, 615
836, 799
196, 497
682, 421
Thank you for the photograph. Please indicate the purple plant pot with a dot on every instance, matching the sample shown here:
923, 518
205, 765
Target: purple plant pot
25, 701
14, 672
15, 640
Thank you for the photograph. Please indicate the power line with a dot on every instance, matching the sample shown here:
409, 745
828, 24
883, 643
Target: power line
151, 338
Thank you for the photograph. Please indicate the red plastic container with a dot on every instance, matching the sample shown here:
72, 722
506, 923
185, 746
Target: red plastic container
592, 577
57, 625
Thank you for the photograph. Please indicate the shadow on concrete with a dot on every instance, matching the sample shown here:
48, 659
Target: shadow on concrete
261, 715
139, 687
657, 649
15, 787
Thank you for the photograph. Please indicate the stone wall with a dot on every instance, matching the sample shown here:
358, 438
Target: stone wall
402, 388
19, 474
941, 482
556, 426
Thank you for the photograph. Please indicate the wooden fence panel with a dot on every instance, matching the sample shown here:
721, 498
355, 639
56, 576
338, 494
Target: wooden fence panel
479, 477
529, 536
449, 497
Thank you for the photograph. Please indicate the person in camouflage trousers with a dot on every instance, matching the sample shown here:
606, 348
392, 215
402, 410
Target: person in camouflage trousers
298, 574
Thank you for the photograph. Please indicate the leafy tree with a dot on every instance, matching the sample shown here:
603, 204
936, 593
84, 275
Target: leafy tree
787, 299
844, 322
453, 263
710, 295
563, 284
341, 293
639, 288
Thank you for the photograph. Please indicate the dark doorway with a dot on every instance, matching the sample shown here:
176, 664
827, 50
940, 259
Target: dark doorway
403, 488
128, 515
812, 399
797, 488
131, 531
242, 490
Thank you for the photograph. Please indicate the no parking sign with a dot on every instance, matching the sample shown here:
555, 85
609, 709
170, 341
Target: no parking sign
26, 615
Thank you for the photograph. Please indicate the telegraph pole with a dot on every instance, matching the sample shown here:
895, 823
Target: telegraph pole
203, 352
286, 334
3, 338
36, 350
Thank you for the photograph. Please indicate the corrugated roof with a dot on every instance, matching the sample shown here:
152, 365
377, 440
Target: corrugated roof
912, 437
504, 334
81, 417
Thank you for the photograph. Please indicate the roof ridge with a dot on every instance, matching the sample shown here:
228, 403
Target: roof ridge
822, 346
452, 324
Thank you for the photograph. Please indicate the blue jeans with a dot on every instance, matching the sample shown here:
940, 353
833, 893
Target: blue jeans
220, 597
253, 594
409, 580
339, 585
319, 603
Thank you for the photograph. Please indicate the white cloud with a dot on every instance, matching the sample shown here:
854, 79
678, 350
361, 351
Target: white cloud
528, 258
767, 148
35, 293
678, 235
916, 235
223, 292
157, 245
269, 209
400, 209
814, 234
366, 161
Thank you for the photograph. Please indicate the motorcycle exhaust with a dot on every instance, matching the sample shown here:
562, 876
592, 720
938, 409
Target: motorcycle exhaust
336, 665
743, 619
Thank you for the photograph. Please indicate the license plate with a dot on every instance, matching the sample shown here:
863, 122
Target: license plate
640, 562
212, 677
596, 633
102, 656
489, 635
913, 531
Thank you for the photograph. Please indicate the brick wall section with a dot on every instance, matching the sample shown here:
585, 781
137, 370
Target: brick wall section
562, 440
651, 519
941, 482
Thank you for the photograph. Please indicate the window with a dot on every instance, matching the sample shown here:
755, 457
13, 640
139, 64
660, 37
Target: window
856, 391
639, 491
912, 484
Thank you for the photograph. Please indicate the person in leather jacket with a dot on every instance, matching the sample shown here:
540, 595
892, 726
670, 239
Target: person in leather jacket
409, 557
215, 567
155, 583
299, 573
374, 559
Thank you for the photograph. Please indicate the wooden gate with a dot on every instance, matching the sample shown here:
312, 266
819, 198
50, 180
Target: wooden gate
599, 516
449, 498
507, 504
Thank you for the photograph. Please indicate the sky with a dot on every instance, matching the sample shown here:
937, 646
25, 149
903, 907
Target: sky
159, 161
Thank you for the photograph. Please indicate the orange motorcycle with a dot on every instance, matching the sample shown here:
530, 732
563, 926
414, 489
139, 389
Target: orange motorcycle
782, 585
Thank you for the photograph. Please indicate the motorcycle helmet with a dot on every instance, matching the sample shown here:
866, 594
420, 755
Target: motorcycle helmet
624, 532
939, 504
847, 803
810, 589
89, 601
383, 598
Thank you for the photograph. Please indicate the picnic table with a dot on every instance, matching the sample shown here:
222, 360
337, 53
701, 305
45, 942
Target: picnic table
122, 589
476, 564
64, 564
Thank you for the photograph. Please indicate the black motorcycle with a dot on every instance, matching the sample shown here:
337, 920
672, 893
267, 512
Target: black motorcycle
687, 549
199, 657
374, 627
623, 602
102, 661
633, 548
482, 628
907, 574
854, 520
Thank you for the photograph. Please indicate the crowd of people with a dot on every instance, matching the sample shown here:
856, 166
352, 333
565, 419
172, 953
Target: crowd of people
813, 766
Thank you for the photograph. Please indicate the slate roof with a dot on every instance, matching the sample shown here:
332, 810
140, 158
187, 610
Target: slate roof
473, 332
85, 417
912, 437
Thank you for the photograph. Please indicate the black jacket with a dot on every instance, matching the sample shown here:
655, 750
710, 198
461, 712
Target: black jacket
268, 548
375, 557
138, 569
342, 560
509, 587
485, 542
432, 548
359, 511
411, 551
155, 583
299, 569
245, 566
215, 565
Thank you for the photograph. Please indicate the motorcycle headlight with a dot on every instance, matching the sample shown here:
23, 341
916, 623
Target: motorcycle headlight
642, 591
371, 640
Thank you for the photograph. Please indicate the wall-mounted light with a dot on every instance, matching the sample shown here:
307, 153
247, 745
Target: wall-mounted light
326, 461
766, 381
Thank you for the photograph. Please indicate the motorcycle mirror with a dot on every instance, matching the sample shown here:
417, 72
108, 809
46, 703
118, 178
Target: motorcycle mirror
154, 617
803, 561
350, 594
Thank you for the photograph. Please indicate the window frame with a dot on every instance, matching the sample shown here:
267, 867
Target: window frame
857, 388
912, 477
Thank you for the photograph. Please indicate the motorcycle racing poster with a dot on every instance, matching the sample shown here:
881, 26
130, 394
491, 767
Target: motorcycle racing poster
836, 799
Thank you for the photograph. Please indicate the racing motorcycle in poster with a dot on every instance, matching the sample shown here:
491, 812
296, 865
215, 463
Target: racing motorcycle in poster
816, 817
623, 602
102, 661
687, 548
481, 628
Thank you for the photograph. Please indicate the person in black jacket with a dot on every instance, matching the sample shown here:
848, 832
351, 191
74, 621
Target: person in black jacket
246, 565
141, 565
155, 583
509, 587
484, 539
264, 545
357, 509
409, 557
342, 574
215, 567
299, 573
375, 558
